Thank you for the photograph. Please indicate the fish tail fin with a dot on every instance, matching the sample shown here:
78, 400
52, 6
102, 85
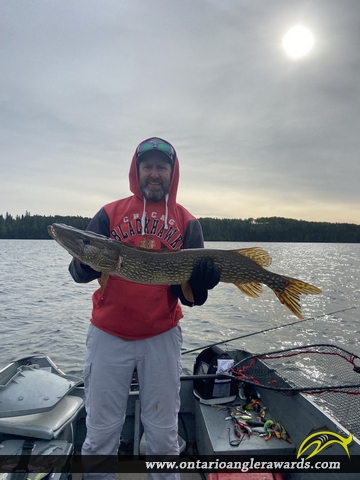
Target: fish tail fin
252, 289
290, 295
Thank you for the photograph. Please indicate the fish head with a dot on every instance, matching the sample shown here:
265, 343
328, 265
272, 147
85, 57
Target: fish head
99, 252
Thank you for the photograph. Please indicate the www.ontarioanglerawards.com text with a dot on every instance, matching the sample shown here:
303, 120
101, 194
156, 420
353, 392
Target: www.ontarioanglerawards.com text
242, 466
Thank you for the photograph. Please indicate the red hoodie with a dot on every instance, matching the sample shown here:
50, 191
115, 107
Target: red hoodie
131, 310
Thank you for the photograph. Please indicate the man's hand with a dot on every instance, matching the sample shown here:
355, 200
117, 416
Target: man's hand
205, 276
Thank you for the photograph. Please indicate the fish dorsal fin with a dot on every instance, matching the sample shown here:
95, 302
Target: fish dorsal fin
252, 289
257, 254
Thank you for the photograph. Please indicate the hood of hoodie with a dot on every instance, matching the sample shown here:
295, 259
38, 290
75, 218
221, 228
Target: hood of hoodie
134, 177
170, 198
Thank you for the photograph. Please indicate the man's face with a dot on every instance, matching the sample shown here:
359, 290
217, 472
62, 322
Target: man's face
154, 177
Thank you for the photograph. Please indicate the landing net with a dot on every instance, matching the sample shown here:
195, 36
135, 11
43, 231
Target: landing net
311, 368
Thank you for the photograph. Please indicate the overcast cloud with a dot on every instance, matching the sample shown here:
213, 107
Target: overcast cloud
257, 133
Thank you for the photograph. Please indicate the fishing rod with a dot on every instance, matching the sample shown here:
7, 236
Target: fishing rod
266, 330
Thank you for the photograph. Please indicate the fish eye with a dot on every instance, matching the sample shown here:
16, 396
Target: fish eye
86, 241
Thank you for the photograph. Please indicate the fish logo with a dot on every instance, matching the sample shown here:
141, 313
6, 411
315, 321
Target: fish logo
321, 439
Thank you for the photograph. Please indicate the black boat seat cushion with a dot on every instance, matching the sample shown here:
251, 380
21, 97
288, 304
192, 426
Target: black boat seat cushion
46, 425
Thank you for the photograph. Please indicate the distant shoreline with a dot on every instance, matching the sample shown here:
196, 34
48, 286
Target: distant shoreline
265, 229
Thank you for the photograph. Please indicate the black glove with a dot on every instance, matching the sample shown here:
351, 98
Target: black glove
205, 276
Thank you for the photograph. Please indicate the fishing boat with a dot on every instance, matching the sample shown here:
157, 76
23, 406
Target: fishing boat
291, 414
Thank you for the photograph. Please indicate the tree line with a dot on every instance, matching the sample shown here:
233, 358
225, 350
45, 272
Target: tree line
272, 229
278, 229
34, 227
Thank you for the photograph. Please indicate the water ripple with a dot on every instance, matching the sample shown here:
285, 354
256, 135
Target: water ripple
44, 311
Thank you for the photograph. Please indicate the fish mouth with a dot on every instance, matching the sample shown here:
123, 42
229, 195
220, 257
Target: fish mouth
67, 238
51, 231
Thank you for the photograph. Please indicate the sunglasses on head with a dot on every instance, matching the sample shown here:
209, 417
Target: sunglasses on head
154, 144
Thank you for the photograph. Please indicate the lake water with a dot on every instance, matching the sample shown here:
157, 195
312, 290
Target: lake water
43, 311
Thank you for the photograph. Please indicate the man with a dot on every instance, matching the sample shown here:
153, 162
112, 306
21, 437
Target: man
134, 325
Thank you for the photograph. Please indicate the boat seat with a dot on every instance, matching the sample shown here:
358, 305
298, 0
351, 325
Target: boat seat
46, 425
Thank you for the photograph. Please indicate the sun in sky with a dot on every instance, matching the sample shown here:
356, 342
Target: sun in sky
298, 41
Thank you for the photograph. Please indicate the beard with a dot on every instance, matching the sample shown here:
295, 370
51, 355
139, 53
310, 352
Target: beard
154, 192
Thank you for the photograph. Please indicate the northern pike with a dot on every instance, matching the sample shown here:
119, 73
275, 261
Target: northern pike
243, 267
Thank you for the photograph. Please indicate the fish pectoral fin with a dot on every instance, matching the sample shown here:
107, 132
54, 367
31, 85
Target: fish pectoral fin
187, 292
290, 295
103, 281
256, 254
252, 289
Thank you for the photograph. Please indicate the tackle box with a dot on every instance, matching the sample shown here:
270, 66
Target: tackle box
214, 434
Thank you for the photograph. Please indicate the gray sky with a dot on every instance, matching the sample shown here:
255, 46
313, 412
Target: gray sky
257, 133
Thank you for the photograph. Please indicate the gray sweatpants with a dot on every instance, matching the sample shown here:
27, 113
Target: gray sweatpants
109, 365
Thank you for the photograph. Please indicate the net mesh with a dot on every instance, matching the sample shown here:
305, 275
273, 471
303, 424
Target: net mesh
311, 369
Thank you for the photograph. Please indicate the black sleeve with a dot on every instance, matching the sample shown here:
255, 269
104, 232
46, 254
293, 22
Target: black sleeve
83, 273
193, 237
